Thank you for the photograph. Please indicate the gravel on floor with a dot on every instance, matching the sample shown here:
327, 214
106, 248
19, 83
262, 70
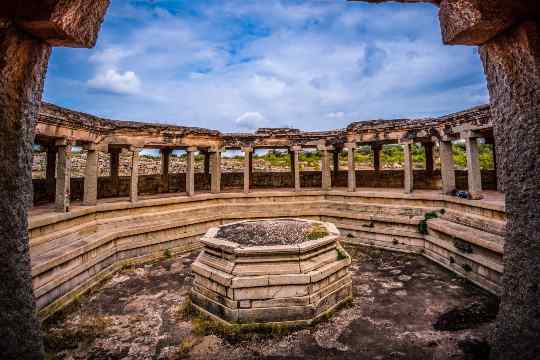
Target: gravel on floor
266, 232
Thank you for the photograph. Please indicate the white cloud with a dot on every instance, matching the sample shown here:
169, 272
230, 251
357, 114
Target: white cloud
250, 121
308, 64
115, 82
336, 115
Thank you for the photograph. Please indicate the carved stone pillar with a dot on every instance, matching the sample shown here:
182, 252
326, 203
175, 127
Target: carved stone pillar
206, 162
247, 167
295, 166
408, 173
448, 172
90, 176
428, 149
326, 175
134, 188
164, 180
474, 174
215, 169
50, 172
115, 170
63, 176
376, 149
190, 171
351, 168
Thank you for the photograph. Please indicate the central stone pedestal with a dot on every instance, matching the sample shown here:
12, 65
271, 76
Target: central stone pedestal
271, 271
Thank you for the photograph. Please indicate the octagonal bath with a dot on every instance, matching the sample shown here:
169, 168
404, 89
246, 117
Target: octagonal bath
271, 271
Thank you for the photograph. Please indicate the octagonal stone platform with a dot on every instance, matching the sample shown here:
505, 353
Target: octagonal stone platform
294, 283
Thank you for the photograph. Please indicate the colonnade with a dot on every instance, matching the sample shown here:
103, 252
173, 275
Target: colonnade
59, 163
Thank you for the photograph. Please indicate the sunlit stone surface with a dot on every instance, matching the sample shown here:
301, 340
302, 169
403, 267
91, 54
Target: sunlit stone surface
238, 280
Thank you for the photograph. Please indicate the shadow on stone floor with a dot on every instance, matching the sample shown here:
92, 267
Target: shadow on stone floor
137, 314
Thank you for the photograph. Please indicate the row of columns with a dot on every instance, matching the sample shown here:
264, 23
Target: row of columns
212, 164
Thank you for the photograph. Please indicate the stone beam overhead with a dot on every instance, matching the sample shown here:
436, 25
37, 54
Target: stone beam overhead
59, 23
55, 122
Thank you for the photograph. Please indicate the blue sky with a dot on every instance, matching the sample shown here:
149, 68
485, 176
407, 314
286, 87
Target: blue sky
235, 65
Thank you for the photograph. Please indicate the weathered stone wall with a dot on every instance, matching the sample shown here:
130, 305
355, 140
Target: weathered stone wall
149, 184
72, 251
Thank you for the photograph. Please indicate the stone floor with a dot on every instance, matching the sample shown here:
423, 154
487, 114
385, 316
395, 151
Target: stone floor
400, 301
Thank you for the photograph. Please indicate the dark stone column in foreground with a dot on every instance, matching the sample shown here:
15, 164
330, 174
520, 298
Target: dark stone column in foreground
23, 63
512, 65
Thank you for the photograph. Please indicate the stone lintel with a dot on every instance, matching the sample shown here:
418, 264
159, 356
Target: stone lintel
475, 22
191, 149
89, 146
470, 134
63, 142
73, 23
325, 147
296, 148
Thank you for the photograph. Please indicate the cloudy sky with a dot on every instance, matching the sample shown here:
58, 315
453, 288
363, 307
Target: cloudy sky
235, 65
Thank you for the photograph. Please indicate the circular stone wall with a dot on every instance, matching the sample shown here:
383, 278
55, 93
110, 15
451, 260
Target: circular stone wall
266, 271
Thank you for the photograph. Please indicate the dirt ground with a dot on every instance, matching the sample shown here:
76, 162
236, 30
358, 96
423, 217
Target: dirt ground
404, 307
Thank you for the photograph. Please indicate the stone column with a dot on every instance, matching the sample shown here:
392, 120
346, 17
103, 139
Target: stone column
351, 168
408, 173
428, 149
326, 176
23, 62
376, 149
206, 162
250, 166
50, 173
474, 174
164, 181
215, 169
295, 167
115, 169
335, 158
90, 176
491, 141
190, 171
247, 170
448, 172
63, 176
134, 188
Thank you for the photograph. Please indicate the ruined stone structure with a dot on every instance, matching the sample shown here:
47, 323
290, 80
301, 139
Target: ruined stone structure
73, 247
291, 283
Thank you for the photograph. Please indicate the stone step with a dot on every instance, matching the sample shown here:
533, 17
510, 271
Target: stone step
476, 237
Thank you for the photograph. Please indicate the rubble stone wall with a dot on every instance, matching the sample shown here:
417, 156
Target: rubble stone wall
150, 184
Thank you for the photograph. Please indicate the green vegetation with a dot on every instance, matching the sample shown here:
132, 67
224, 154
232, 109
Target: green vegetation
316, 232
422, 225
341, 254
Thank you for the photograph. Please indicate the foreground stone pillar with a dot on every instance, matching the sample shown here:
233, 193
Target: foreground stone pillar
23, 62
408, 179
134, 188
512, 66
215, 169
326, 174
50, 172
376, 149
190, 171
295, 167
428, 149
63, 176
90, 176
351, 168
164, 180
474, 174
448, 171
115, 170
247, 167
